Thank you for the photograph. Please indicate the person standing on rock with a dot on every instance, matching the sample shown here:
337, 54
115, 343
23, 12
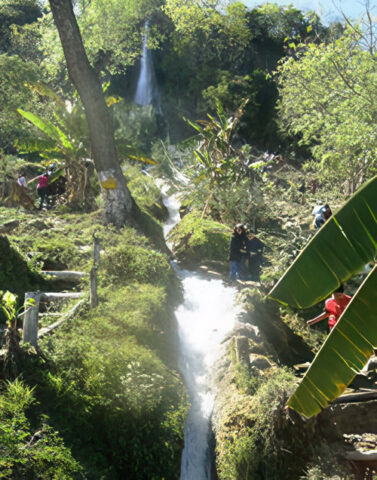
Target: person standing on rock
334, 307
321, 214
255, 249
238, 253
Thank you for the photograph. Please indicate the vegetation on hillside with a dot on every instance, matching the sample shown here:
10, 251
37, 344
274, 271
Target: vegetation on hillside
103, 397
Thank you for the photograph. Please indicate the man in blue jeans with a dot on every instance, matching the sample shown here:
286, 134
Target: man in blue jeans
238, 253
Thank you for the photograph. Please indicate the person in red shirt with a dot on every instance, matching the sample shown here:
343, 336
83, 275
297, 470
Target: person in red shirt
42, 189
334, 307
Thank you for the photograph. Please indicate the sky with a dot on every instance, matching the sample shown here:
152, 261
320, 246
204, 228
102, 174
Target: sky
328, 10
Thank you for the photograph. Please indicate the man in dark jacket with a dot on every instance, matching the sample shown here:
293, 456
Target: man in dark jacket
238, 253
255, 249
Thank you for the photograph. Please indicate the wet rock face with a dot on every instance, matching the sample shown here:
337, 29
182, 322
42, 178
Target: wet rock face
276, 337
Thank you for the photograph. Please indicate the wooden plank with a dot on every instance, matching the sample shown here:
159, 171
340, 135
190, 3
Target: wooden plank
357, 397
68, 316
357, 455
60, 295
68, 275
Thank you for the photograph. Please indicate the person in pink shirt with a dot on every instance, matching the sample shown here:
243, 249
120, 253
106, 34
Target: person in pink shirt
42, 190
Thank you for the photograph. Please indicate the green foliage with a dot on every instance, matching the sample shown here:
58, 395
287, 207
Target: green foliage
26, 452
326, 98
215, 153
135, 128
196, 239
252, 449
111, 32
8, 304
15, 12
15, 75
114, 391
108, 379
257, 124
347, 350
191, 16
127, 263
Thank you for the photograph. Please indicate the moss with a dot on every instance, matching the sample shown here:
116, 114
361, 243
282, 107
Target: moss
146, 193
126, 263
114, 381
15, 274
197, 240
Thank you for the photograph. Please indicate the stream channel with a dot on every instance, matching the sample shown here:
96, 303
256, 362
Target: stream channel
206, 315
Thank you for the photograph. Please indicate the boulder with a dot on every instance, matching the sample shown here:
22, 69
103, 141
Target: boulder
196, 240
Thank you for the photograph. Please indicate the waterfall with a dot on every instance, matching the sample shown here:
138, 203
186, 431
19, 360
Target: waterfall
146, 89
206, 315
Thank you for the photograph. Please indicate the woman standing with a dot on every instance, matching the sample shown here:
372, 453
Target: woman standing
238, 252
42, 189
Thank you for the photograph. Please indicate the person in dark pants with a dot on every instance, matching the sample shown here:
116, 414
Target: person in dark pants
255, 249
321, 214
42, 190
238, 253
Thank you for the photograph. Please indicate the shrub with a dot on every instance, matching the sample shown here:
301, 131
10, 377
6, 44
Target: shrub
125, 264
39, 454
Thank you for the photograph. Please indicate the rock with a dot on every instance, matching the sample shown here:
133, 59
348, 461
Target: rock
260, 362
39, 225
198, 241
9, 226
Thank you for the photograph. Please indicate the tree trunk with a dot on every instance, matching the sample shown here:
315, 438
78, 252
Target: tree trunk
119, 204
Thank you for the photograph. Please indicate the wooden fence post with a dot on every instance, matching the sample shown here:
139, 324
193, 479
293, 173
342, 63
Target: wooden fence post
96, 250
30, 324
93, 287
94, 272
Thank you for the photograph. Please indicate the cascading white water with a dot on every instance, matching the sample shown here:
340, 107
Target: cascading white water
146, 89
207, 314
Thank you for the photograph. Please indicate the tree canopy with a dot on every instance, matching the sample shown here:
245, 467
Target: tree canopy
327, 98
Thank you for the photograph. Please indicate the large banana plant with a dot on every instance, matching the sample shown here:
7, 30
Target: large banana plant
344, 353
339, 250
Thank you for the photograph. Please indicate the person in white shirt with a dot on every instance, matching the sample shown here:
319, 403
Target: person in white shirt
21, 180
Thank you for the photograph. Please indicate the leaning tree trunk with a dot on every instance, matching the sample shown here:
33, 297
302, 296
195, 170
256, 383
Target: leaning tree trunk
119, 204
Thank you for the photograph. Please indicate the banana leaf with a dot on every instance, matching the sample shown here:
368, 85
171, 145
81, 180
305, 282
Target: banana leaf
344, 353
48, 128
339, 250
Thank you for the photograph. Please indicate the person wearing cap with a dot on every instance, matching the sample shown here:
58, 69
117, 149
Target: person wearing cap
238, 253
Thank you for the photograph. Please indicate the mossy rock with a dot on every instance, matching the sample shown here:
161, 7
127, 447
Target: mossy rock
15, 274
199, 240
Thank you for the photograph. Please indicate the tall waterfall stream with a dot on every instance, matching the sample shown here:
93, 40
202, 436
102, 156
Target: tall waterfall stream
207, 314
